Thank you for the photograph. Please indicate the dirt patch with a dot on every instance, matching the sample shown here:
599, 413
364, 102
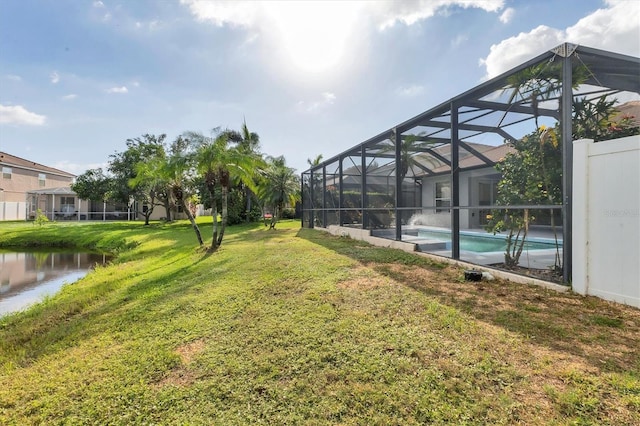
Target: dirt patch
182, 375
361, 278
550, 275
188, 351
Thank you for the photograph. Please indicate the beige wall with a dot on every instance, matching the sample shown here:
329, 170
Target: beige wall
23, 180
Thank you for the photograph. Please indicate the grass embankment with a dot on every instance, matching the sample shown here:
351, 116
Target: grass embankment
295, 326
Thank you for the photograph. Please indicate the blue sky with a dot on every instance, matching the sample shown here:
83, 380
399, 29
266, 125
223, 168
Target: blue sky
78, 78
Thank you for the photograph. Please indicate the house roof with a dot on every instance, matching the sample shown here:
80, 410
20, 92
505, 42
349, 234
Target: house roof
495, 154
631, 108
14, 161
62, 190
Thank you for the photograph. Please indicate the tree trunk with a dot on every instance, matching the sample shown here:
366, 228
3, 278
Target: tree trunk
225, 192
214, 215
177, 192
193, 222
248, 193
167, 208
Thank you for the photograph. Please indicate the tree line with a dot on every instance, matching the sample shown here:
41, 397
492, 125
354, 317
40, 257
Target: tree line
225, 172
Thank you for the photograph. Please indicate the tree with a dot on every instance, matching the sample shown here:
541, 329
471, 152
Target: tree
523, 183
217, 161
249, 145
134, 177
316, 161
93, 185
279, 186
532, 174
409, 147
598, 121
177, 170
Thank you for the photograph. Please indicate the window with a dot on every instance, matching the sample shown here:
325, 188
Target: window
6, 172
42, 179
443, 197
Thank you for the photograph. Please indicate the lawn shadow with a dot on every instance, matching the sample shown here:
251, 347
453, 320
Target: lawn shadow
98, 305
603, 334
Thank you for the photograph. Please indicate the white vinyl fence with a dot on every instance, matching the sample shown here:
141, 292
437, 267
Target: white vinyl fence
606, 219
13, 210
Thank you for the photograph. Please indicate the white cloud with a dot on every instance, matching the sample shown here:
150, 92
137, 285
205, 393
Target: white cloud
516, 50
69, 97
313, 34
16, 114
13, 77
410, 91
244, 14
327, 99
389, 13
55, 77
98, 4
386, 14
122, 89
614, 28
507, 15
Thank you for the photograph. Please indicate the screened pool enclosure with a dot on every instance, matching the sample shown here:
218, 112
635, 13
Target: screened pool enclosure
440, 179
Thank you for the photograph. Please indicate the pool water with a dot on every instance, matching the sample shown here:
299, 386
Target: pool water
483, 243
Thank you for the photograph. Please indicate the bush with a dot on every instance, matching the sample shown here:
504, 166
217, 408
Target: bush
40, 219
288, 213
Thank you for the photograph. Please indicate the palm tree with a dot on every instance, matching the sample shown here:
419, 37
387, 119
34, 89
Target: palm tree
175, 169
217, 162
280, 185
410, 146
315, 162
249, 145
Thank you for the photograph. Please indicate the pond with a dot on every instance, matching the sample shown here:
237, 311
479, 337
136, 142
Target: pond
27, 277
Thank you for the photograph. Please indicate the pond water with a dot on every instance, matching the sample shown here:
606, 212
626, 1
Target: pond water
27, 277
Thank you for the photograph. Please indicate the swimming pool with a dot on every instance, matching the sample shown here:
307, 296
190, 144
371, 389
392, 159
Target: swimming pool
484, 243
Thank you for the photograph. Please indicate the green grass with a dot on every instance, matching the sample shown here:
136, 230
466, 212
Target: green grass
293, 326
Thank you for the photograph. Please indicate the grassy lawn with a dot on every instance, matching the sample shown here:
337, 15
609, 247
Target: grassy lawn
292, 326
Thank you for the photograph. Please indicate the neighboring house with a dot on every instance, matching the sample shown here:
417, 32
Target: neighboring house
27, 186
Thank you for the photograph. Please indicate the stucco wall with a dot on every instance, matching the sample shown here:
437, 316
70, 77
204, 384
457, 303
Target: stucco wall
606, 219
23, 180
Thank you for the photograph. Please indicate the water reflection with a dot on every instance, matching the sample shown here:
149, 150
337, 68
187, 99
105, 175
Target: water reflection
25, 278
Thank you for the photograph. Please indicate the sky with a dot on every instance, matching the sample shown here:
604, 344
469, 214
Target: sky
80, 77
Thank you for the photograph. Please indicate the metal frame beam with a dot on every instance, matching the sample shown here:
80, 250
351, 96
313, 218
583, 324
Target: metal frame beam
567, 167
497, 106
455, 184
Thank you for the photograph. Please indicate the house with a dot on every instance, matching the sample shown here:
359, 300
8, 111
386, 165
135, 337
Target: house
27, 186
